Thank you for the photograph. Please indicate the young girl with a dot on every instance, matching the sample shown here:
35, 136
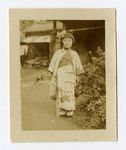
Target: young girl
65, 67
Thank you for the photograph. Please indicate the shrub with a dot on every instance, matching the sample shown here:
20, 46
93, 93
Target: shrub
90, 92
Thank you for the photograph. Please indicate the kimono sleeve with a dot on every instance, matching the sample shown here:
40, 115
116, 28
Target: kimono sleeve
79, 67
52, 63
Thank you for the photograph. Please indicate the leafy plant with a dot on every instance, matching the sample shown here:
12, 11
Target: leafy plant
90, 92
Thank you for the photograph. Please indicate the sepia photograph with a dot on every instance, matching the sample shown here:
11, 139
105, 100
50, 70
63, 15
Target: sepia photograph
63, 74
63, 71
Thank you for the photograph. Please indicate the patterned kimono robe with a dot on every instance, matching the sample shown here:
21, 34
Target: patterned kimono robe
65, 66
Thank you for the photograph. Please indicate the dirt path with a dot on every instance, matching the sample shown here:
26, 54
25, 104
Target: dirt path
38, 110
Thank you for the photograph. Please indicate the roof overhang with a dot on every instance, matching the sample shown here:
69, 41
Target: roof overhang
37, 39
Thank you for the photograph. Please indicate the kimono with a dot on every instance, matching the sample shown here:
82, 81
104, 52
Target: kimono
65, 67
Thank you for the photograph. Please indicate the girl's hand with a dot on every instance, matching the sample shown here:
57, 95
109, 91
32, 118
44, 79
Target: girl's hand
78, 78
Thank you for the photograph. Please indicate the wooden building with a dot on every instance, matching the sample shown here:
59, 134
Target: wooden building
44, 38
40, 37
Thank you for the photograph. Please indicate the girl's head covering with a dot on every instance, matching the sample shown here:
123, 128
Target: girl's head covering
68, 35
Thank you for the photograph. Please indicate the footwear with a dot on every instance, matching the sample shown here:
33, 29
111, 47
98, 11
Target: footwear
70, 113
62, 112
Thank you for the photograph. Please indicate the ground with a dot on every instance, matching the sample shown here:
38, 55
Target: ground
38, 110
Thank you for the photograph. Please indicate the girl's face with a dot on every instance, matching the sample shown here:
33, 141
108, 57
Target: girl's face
67, 43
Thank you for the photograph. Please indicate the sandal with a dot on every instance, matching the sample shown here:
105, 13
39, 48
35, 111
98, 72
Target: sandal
70, 113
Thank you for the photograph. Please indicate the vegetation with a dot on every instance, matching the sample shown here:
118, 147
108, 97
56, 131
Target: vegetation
90, 92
